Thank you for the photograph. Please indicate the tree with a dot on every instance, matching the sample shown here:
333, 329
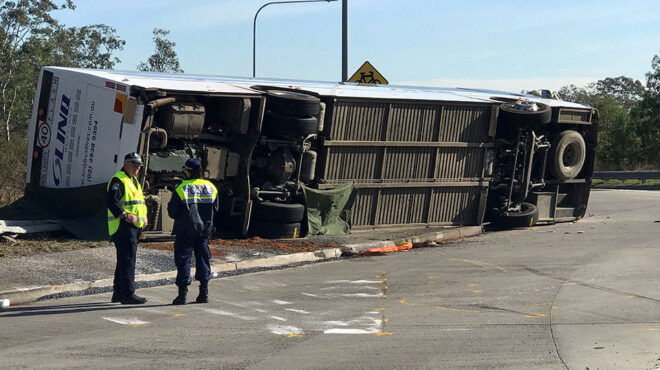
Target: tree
650, 105
31, 38
164, 59
619, 145
582, 95
629, 118
626, 91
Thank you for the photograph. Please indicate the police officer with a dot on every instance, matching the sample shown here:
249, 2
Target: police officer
193, 207
127, 215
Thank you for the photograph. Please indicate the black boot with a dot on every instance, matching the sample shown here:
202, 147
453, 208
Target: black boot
181, 298
116, 297
132, 299
203, 296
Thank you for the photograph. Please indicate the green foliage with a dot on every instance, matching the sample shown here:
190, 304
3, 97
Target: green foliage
164, 59
30, 38
12, 167
629, 124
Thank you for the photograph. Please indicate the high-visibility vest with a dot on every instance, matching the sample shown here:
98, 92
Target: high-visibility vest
132, 202
197, 191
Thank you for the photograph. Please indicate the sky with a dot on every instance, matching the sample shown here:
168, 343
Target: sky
495, 44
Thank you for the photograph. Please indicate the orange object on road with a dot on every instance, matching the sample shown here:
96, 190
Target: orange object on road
390, 248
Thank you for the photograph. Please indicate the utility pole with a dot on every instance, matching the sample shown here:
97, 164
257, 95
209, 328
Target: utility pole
254, 27
344, 40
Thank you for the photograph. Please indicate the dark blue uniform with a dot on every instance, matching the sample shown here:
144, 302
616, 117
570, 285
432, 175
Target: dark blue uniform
193, 207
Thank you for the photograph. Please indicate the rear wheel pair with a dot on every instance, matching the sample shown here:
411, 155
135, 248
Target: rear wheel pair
526, 216
276, 220
290, 113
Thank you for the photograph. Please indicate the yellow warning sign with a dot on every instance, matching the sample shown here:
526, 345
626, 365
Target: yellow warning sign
367, 74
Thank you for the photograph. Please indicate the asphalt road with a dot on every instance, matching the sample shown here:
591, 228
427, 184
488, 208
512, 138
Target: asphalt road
569, 296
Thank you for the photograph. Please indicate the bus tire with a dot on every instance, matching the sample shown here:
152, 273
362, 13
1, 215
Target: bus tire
275, 230
568, 153
284, 125
279, 212
526, 217
292, 103
521, 118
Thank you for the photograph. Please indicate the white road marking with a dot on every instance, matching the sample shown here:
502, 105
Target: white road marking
309, 294
245, 304
227, 313
278, 318
354, 281
298, 311
284, 329
125, 321
373, 326
277, 301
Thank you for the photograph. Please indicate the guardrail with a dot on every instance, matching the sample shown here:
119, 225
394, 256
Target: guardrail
627, 175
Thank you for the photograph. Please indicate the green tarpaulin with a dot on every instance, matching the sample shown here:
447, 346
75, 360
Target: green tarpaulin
329, 211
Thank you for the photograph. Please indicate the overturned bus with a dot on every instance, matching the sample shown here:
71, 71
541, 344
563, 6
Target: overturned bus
399, 156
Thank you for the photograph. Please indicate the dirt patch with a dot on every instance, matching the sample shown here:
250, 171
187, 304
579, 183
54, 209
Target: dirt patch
215, 252
218, 247
30, 247
285, 245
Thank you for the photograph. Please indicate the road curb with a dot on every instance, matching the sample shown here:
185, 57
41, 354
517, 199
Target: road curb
438, 236
29, 294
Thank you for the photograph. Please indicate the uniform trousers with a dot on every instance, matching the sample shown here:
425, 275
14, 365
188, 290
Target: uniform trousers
184, 245
126, 240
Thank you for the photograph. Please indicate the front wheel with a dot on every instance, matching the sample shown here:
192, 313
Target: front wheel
568, 154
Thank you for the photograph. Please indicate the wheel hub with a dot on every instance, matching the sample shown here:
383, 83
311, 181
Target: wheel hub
525, 105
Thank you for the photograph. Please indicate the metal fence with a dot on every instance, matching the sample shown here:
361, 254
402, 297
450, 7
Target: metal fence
627, 175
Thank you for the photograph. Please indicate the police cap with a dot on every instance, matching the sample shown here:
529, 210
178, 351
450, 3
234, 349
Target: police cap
133, 158
192, 164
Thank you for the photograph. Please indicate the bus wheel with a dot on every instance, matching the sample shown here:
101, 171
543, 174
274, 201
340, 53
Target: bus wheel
285, 125
525, 113
568, 154
280, 212
275, 230
527, 216
292, 103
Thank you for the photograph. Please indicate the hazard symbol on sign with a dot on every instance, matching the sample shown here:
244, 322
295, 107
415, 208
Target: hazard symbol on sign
367, 74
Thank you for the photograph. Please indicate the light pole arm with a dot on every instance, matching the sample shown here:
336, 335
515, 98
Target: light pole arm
254, 27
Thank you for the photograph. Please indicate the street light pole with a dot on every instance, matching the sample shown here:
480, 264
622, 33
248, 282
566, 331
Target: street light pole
254, 27
344, 40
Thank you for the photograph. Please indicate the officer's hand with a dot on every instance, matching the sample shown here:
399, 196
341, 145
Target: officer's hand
146, 222
131, 218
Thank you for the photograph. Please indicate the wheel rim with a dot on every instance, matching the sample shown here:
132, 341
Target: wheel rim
571, 155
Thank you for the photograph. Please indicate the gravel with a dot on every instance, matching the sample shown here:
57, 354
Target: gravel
99, 263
